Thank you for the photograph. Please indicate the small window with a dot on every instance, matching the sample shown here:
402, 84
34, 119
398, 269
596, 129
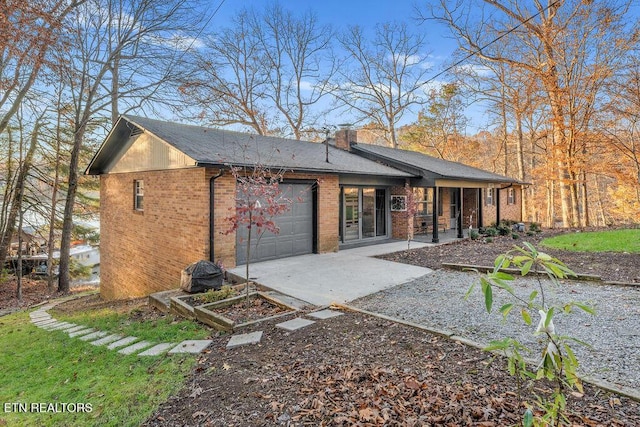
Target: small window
489, 198
511, 196
138, 195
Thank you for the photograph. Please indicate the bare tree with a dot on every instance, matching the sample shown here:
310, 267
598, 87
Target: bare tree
440, 125
114, 40
29, 30
266, 72
15, 204
568, 47
383, 78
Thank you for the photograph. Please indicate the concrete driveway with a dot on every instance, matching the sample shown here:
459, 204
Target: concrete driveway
343, 276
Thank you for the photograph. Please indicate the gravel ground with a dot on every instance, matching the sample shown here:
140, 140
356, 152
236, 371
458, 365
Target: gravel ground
437, 301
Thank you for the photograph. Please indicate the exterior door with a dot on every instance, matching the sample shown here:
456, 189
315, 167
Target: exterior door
453, 194
364, 213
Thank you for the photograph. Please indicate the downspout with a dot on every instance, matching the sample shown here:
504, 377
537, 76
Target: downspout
211, 214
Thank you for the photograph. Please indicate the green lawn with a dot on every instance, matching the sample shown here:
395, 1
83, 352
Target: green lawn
49, 367
597, 241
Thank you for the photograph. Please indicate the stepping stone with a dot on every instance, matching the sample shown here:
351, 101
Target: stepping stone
190, 346
51, 326
157, 350
93, 335
39, 316
135, 347
45, 323
107, 340
244, 339
62, 326
325, 314
121, 343
295, 324
75, 328
81, 332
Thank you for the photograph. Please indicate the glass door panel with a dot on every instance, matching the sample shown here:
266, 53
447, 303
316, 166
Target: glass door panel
381, 212
368, 212
351, 214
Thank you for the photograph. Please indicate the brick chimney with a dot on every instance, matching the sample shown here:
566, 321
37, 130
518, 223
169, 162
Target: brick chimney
344, 137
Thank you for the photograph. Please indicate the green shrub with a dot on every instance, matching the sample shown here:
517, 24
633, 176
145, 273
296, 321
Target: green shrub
504, 229
212, 296
515, 236
473, 234
488, 240
491, 232
534, 227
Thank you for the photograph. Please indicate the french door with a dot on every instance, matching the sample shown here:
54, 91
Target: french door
364, 213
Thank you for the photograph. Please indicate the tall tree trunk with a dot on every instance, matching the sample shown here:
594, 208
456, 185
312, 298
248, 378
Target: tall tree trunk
586, 221
54, 204
16, 202
64, 279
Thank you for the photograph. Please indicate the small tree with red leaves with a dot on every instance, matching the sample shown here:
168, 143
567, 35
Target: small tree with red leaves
259, 199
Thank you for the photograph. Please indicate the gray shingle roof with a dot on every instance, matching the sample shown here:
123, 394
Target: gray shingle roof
214, 147
430, 166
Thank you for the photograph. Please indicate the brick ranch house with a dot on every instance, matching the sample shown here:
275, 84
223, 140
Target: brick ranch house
166, 193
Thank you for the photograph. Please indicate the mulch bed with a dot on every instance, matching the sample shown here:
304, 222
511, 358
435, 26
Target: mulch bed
361, 370
615, 267
247, 311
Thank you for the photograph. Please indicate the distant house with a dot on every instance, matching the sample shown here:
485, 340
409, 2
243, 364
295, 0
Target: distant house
166, 192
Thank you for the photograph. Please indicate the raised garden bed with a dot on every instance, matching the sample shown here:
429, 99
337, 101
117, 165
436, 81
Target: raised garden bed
235, 313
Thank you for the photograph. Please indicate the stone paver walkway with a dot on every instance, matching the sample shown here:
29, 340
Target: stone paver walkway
132, 345
126, 345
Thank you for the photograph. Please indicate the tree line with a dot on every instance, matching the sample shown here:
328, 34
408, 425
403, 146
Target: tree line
558, 82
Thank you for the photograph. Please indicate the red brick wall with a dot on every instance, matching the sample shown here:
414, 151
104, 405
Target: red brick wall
399, 220
507, 211
145, 252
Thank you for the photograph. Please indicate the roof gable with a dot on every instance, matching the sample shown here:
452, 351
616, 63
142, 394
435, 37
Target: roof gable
148, 152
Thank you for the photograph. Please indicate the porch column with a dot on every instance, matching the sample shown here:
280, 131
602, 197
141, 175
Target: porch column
460, 210
497, 205
480, 205
434, 220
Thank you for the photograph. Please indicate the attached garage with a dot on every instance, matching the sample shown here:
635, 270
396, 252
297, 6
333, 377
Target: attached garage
297, 225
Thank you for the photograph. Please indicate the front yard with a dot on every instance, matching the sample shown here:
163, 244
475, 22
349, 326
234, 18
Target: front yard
355, 369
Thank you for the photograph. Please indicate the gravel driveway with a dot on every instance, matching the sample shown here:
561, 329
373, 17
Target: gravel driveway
437, 301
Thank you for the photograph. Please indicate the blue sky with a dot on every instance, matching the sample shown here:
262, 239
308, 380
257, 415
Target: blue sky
365, 13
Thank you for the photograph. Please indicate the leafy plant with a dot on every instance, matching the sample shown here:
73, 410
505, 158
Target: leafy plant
77, 270
558, 362
488, 240
504, 229
224, 292
535, 227
491, 232
473, 234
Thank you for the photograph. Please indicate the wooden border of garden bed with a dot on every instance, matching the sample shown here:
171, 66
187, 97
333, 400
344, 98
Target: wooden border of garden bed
223, 323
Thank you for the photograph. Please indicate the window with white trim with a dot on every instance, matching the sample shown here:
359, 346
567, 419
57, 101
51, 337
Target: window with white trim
138, 194
511, 196
489, 197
